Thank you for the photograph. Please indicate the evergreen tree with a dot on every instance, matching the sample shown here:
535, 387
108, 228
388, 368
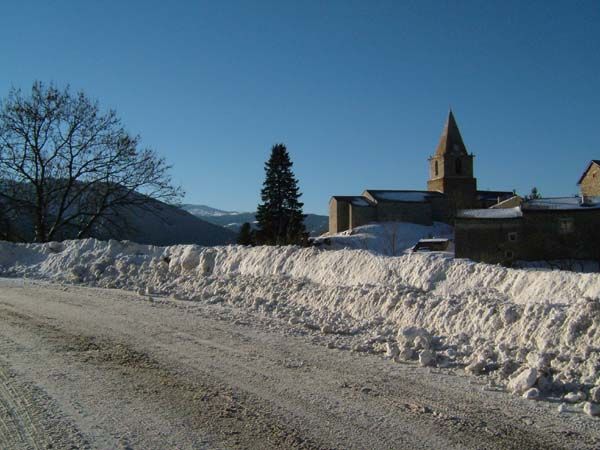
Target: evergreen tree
246, 236
535, 194
279, 216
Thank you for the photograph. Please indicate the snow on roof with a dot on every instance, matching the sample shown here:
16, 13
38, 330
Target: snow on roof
562, 203
360, 201
500, 213
354, 200
434, 240
402, 196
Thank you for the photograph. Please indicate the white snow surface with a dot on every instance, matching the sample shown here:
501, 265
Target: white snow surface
468, 313
385, 238
567, 203
491, 213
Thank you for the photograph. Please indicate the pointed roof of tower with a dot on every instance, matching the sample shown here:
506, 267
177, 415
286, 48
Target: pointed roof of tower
451, 140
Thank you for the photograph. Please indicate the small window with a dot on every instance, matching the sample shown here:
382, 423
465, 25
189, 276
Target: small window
458, 166
513, 236
436, 169
566, 225
509, 254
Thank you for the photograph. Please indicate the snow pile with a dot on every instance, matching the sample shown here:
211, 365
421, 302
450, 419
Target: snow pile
531, 329
385, 238
491, 213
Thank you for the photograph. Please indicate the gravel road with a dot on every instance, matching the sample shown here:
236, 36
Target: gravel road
94, 368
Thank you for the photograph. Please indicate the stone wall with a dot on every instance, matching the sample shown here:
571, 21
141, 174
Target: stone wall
362, 215
420, 213
440, 211
590, 185
540, 235
556, 234
489, 240
339, 213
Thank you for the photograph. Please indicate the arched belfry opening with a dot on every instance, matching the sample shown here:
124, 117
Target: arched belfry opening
458, 166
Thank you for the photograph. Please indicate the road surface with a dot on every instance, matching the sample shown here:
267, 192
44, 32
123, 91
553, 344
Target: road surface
95, 368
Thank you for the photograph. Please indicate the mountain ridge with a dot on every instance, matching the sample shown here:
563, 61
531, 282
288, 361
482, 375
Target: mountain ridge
316, 224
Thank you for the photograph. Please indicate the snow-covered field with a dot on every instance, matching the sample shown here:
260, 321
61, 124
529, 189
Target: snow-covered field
530, 329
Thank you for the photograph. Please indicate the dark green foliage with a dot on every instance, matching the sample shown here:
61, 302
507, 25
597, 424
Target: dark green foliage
279, 216
246, 236
535, 194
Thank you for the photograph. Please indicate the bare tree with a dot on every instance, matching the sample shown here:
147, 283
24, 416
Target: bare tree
67, 169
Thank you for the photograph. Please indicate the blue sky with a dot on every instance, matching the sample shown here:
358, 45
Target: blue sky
357, 90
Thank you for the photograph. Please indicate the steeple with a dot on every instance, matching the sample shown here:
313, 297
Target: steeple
451, 169
451, 140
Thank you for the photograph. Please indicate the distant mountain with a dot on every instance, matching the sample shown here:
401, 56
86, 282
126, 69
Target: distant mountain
170, 225
206, 211
156, 223
315, 224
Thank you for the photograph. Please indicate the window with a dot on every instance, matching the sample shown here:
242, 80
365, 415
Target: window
566, 225
458, 166
512, 236
509, 254
436, 169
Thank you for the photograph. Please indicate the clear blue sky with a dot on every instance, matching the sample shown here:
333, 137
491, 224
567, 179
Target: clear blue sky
357, 90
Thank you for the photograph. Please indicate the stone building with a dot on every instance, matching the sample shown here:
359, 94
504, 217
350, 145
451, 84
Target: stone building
451, 187
538, 230
589, 182
543, 229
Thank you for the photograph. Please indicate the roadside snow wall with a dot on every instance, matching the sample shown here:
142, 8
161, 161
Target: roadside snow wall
494, 319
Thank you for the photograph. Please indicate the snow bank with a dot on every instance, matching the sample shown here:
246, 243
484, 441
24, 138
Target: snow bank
426, 306
385, 238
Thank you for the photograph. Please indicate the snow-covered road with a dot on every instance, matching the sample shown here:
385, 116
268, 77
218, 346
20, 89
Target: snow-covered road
97, 368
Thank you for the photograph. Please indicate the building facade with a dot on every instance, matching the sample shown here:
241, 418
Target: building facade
545, 229
539, 230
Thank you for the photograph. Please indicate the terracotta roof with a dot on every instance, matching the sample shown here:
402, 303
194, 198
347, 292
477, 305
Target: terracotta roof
593, 161
451, 141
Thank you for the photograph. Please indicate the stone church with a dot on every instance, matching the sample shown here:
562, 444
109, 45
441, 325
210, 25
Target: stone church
451, 187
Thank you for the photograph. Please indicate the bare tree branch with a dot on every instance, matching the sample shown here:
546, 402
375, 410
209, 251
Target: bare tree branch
68, 169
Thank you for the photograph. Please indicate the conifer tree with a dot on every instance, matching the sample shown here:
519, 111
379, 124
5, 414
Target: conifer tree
246, 236
279, 216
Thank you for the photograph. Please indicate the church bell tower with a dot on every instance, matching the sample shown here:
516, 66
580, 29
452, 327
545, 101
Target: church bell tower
451, 169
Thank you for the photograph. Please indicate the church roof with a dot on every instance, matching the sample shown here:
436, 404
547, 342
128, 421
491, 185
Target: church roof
402, 196
451, 141
354, 200
593, 161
